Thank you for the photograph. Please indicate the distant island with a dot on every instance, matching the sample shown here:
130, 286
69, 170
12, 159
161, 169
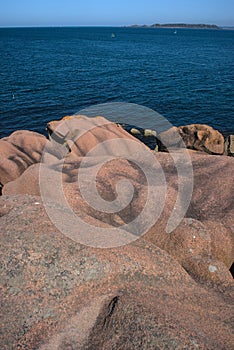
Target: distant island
176, 25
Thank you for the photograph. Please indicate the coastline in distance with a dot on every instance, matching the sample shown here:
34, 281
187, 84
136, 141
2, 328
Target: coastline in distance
176, 25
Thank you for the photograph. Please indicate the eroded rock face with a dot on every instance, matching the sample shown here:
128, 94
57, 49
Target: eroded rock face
18, 151
202, 138
203, 238
81, 134
155, 292
58, 294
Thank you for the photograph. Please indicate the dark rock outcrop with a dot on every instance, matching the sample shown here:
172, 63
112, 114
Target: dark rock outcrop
229, 146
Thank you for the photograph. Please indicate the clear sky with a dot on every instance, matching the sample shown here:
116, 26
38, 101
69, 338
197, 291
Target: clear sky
114, 12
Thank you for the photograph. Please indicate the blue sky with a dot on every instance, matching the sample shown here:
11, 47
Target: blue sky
118, 12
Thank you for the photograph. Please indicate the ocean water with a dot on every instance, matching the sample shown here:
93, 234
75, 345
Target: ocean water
47, 73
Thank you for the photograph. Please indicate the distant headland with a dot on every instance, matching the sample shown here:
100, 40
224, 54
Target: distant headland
176, 25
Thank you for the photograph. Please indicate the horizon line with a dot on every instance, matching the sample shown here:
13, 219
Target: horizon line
107, 25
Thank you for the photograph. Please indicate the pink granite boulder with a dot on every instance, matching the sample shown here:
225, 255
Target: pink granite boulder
201, 137
18, 151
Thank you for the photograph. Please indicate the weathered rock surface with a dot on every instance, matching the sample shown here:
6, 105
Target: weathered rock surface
229, 146
156, 292
170, 139
18, 151
202, 138
81, 134
58, 294
205, 236
199, 137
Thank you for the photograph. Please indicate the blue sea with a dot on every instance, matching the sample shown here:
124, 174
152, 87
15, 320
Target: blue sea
47, 73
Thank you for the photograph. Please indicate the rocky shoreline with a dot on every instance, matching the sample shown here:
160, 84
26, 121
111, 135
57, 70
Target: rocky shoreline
163, 289
195, 136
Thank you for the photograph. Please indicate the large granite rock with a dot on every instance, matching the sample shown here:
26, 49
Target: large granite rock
58, 294
169, 140
18, 151
204, 237
199, 137
203, 138
81, 134
155, 292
